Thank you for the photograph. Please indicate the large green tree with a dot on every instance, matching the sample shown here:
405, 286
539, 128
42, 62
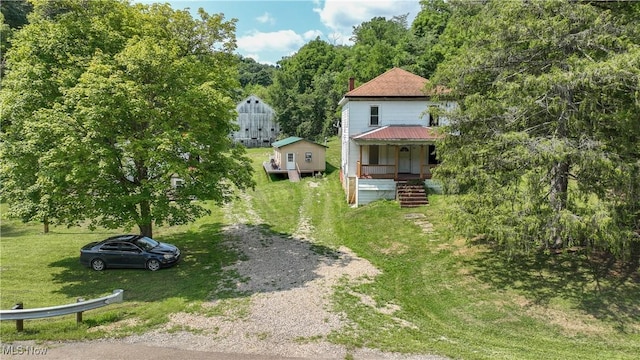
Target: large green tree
104, 102
379, 45
545, 148
426, 29
13, 15
254, 73
303, 94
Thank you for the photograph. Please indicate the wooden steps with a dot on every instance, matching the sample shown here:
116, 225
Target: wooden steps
294, 176
411, 195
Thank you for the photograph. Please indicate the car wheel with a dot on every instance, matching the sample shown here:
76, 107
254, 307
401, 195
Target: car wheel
97, 265
153, 264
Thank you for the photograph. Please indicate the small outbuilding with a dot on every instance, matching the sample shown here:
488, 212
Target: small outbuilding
295, 156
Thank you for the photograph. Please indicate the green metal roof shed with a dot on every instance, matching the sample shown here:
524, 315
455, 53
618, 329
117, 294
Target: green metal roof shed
290, 140
296, 153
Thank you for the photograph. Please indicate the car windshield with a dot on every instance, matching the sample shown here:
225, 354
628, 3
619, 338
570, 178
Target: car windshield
146, 243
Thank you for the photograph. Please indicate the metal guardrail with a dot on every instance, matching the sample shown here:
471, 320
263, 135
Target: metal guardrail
19, 314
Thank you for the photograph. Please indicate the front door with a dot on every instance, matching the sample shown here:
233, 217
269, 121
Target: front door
404, 159
291, 161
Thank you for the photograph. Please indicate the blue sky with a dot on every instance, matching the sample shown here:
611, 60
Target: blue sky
268, 30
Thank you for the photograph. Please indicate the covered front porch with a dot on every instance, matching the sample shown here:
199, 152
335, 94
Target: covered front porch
372, 171
396, 152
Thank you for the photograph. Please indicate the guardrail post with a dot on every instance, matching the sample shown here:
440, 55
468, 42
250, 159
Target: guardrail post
19, 323
79, 313
19, 314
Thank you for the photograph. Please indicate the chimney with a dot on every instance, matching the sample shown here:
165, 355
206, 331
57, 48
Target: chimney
351, 83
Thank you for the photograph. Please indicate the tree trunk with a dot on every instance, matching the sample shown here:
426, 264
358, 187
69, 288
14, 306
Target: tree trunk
146, 229
558, 202
560, 170
45, 222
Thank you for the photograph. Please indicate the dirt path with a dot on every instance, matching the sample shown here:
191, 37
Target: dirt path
287, 285
277, 302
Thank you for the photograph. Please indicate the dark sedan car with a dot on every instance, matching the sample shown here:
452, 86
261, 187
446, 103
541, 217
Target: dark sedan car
129, 251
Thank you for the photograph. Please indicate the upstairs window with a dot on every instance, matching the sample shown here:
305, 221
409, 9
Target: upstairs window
374, 119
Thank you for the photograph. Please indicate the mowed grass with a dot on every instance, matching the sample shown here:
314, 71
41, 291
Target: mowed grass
438, 293
42, 270
443, 294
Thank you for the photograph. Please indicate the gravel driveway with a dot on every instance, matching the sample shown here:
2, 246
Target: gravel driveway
281, 306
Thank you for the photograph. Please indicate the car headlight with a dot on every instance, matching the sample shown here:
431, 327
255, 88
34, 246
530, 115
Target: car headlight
168, 256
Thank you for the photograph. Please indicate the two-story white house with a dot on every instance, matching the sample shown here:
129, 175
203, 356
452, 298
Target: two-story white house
388, 135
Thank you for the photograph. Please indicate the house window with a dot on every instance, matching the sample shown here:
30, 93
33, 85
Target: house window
289, 157
178, 183
433, 116
307, 156
433, 159
374, 154
374, 119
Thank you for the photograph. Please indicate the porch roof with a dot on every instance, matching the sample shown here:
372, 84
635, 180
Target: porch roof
398, 134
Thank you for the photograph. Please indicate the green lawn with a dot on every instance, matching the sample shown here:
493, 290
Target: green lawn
454, 297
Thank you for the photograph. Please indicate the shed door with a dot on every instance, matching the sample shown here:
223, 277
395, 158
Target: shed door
291, 161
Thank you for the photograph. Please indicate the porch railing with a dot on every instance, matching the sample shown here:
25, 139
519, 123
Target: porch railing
426, 170
388, 171
376, 171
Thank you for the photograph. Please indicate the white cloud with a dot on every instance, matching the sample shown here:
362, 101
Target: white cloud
266, 18
312, 34
281, 41
255, 57
341, 16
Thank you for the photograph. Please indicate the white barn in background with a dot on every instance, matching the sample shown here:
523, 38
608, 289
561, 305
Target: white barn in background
256, 121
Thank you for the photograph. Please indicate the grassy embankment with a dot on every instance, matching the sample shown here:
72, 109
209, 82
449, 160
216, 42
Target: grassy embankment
453, 297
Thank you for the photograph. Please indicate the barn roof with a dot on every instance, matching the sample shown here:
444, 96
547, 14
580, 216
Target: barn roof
254, 104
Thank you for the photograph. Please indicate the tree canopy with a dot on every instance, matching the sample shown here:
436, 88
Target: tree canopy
104, 102
544, 151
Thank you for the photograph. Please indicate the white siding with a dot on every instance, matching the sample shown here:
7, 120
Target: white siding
391, 113
369, 190
345, 139
355, 120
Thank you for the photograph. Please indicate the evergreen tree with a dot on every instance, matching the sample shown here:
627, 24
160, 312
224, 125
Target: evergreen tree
545, 148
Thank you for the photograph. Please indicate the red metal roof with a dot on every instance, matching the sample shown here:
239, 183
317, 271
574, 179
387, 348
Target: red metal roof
399, 133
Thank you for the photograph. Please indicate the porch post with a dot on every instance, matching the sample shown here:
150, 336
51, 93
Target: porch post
421, 159
359, 161
395, 176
